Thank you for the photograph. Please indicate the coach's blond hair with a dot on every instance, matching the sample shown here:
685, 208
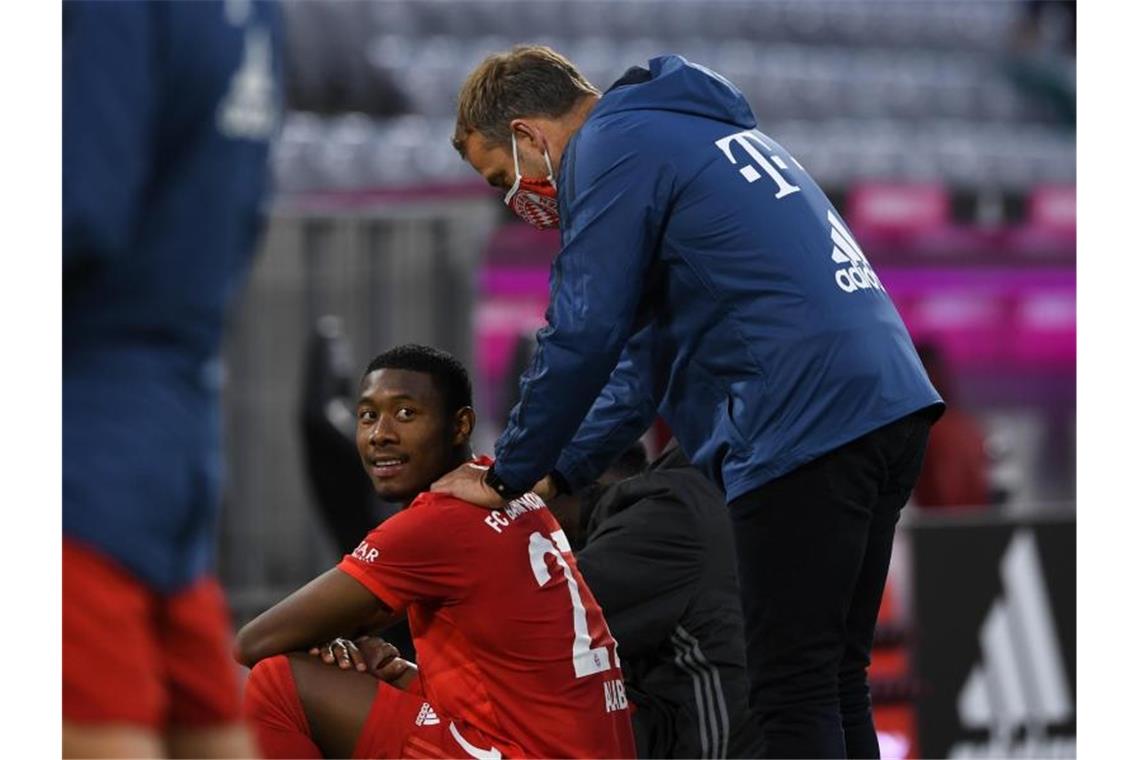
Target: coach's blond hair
527, 80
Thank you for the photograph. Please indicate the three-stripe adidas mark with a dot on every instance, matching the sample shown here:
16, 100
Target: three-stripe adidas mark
1021, 681
712, 711
857, 275
427, 716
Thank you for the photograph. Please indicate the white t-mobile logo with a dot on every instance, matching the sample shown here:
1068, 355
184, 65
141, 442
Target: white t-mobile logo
855, 272
749, 140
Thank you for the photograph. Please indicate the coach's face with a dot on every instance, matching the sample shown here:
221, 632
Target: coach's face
405, 438
495, 163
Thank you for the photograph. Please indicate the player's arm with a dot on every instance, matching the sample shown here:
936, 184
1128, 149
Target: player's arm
621, 414
615, 202
333, 604
406, 559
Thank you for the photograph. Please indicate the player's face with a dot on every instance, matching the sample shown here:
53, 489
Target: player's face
404, 438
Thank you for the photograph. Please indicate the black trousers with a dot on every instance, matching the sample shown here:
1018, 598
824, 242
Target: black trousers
813, 548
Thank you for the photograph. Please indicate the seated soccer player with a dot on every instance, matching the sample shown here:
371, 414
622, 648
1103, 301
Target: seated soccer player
515, 658
650, 541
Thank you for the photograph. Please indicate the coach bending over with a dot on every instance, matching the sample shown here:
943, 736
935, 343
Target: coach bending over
703, 275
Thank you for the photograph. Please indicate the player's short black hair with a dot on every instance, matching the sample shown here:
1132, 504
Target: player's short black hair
448, 373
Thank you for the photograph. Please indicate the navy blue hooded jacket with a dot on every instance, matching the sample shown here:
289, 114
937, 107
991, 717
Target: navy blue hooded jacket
697, 251
168, 109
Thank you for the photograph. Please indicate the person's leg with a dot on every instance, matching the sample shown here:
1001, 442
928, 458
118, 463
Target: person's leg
201, 678
232, 740
113, 698
300, 707
902, 446
272, 707
337, 702
124, 740
800, 541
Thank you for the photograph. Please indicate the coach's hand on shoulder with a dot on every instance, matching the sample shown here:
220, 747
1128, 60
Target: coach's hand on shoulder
468, 482
547, 489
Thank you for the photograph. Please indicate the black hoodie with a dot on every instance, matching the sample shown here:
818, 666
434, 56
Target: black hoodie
659, 558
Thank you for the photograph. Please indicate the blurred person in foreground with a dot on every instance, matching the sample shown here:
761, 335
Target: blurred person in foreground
956, 469
461, 575
652, 540
704, 275
168, 110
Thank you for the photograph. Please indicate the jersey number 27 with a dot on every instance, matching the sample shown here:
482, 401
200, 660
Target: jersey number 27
587, 660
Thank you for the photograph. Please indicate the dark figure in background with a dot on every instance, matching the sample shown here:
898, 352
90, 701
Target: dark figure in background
344, 498
654, 544
168, 111
955, 472
704, 276
342, 494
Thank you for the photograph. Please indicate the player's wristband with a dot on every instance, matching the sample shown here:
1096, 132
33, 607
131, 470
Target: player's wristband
506, 492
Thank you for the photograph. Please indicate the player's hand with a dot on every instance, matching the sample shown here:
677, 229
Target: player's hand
384, 662
345, 654
467, 482
370, 654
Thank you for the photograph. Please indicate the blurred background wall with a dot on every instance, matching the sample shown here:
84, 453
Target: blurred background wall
944, 133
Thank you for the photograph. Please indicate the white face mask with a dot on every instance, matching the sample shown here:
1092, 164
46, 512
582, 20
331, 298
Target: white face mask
534, 200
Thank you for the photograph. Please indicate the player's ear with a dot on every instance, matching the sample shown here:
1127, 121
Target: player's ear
463, 425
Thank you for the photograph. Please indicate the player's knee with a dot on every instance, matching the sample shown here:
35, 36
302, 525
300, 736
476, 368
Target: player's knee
272, 672
271, 694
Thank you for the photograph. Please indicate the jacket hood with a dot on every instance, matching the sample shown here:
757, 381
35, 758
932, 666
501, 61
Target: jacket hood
668, 473
672, 83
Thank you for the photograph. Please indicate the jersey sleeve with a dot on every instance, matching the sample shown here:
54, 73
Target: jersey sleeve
409, 558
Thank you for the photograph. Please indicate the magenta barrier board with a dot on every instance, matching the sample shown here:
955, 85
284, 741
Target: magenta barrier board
500, 319
1003, 319
887, 207
1008, 319
913, 221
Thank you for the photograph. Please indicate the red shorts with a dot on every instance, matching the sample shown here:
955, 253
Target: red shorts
132, 655
403, 724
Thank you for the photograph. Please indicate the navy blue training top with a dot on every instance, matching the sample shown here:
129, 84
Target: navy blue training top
168, 112
703, 275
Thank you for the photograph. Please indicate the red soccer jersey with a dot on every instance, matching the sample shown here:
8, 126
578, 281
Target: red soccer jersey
508, 637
